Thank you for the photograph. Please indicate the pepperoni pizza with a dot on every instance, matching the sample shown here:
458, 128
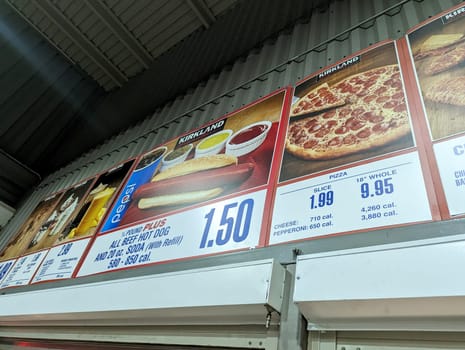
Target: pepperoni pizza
373, 114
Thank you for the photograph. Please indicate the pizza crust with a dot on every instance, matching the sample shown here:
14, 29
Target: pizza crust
447, 90
444, 62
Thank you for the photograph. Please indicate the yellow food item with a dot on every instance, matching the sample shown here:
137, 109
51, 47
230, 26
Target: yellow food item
213, 140
440, 40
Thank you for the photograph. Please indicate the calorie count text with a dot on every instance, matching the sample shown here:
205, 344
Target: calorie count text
377, 185
135, 244
372, 185
234, 223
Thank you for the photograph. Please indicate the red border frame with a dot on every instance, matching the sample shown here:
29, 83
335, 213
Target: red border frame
90, 238
270, 187
419, 146
418, 104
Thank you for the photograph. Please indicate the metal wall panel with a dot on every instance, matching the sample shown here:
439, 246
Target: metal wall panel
307, 47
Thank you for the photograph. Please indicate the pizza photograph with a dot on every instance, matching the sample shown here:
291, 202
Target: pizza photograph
349, 112
438, 51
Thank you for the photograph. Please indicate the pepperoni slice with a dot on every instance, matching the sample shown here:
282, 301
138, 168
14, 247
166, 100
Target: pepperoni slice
354, 124
349, 140
363, 134
330, 123
372, 117
369, 84
315, 128
341, 130
297, 110
330, 99
310, 123
400, 108
329, 114
390, 104
398, 95
382, 99
369, 98
356, 112
310, 143
344, 112
356, 80
322, 132
380, 128
397, 84
388, 82
380, 90
335, 141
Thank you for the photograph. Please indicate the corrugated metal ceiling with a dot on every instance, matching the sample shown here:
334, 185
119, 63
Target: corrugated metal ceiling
113, 40
72, 73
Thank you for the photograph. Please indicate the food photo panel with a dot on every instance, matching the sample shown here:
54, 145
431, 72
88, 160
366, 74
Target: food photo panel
350, 161
437, 49
22, 239
205, 192
71, 243
38, 242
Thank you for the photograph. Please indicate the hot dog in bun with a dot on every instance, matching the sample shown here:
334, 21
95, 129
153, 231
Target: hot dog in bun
193, 181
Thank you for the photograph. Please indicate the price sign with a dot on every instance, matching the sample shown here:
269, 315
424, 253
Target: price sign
23, 270
61, 261
223, 226
5, 267
450, 156
386, 192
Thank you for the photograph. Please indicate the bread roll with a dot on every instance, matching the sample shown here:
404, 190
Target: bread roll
196, 164
179, 198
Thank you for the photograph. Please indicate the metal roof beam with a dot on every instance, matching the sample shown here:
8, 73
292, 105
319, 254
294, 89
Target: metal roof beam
203, 12
68, 28
121, 32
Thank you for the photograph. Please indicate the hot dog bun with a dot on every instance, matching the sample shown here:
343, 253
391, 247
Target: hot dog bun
228, 176
195, 165
179, 198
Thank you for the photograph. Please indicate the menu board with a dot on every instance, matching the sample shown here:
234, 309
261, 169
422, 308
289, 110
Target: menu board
205, 192
5, 267
23, 270
71, 242
351, 160
437, 49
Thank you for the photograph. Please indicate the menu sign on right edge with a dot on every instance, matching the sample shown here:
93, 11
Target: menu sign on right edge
351, 162
437, 49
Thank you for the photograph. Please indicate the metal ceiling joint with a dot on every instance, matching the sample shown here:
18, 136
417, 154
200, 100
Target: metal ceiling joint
203, 12
68, 28
121, 32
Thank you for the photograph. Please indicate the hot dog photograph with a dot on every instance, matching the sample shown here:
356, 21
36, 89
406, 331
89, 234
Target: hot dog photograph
438, 52
349, 112
227, 156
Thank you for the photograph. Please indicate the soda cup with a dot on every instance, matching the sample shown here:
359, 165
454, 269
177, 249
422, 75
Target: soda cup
148, 165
